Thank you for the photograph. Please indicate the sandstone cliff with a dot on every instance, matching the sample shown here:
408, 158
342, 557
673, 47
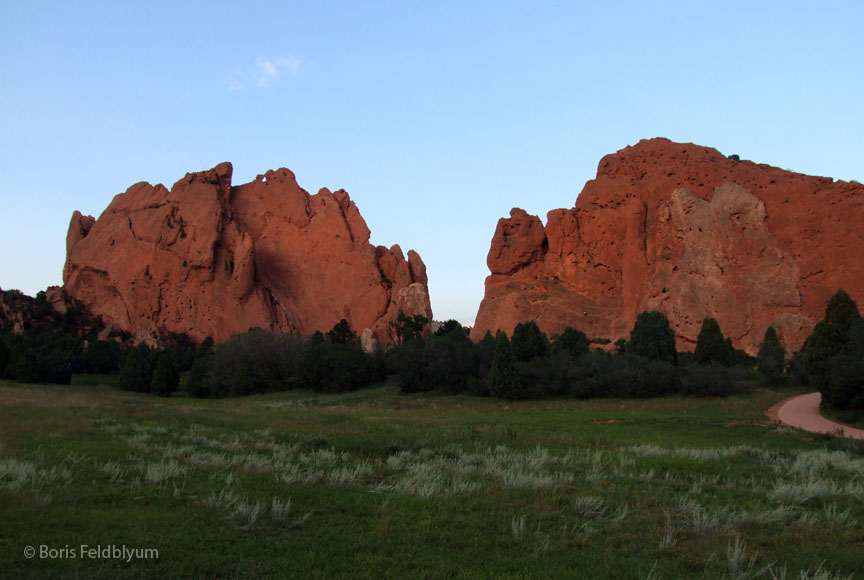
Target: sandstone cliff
685, 230
211, 259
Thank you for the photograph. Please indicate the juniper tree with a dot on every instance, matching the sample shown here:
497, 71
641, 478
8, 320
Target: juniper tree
771, 358
102, 356
829, 336
844, 380
528, 342
5, 355
653, 338
341, 333
165, 376
712, 346
833, 352
135, 375
404, 328
572, 343
502, 374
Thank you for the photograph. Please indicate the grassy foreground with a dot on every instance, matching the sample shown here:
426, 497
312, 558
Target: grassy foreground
377, 485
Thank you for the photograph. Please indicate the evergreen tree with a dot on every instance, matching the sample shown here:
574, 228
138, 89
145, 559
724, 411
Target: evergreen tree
29, 367
712, 347
165, 376
572, 343
341, 333
405, 328
136, 374
333, 368
771, 358
450, 326
102, 356
501, 379
529, 342
5, 355
205, 348
844, 380
58, 367
196, 381
182, 351
829, 337
653, 338
317, 337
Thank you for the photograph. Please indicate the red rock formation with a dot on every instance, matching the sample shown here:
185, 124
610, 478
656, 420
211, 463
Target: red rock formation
681, 229
211, 259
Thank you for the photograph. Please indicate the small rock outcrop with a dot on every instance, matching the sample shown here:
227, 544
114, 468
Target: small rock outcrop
207, 258
685, 230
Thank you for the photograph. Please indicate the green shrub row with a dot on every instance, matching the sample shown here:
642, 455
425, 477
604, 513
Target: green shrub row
528, 365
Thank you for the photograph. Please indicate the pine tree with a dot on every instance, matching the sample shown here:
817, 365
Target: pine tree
5, 356
653, 338
136, 374
771, 358
341, 333
102, 356
572, 343
502, 375
29, 367
196, 381
844, 379
829, 336
528, 342
830, 353
165, 377
712, 347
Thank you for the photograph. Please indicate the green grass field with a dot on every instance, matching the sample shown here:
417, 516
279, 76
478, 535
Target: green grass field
377, 485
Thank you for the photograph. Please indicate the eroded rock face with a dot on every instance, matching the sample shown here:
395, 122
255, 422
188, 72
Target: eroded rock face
681, 229
211, 259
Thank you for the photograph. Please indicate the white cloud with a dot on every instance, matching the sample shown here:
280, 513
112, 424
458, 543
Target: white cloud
268, 71
265, 72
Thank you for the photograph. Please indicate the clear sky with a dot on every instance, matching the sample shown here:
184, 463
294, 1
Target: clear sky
436, 116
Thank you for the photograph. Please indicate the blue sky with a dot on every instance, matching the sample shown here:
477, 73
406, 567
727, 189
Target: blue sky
437, 117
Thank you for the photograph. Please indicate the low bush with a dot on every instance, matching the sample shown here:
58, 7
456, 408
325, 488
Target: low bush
631, 375
706, 381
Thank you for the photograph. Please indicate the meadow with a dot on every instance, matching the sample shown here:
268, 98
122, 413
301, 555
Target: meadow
375, 484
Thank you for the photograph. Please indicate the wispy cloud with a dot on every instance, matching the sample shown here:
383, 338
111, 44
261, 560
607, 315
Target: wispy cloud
268, 71
265, 72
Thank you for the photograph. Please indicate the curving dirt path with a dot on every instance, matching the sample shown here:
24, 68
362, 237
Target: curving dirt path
802, 412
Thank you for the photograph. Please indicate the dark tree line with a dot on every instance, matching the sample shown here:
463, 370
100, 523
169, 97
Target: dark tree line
527, 364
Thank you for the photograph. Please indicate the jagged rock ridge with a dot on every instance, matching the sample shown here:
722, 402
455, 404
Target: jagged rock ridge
207, 258
685, 230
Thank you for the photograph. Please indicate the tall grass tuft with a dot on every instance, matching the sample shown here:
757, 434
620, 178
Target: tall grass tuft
159, 473
739, 563
801, 493
518, 528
